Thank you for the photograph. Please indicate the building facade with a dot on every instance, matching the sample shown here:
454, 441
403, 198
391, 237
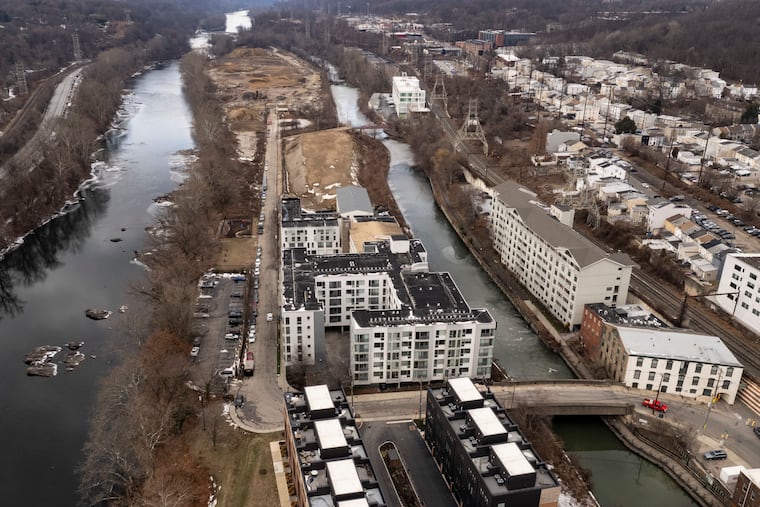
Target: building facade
328, 462
408, 97
740, 289
481, 452
556, 264
596, 315
671, 361
747, 490
406, 324
318, 233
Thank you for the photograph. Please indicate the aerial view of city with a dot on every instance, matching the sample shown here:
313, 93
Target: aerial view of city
389, 253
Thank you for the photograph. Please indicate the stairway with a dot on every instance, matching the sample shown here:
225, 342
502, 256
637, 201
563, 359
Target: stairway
750, 395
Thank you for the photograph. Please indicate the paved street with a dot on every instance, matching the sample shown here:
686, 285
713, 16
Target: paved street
741, 443
263, 410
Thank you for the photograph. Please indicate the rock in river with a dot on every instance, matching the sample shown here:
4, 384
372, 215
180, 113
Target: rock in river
96, 314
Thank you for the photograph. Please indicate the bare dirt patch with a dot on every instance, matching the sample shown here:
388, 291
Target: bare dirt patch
317, 164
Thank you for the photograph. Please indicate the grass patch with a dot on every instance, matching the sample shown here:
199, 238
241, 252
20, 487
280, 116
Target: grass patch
240, 462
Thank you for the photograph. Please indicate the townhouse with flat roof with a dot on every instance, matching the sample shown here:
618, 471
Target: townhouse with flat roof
561, 268
329, 464
481, 452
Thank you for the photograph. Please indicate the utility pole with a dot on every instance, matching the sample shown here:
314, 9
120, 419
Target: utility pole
704, 156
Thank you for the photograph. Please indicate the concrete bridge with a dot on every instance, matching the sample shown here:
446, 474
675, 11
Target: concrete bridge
555, 397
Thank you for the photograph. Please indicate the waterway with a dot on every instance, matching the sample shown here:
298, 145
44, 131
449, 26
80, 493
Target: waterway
621, 478
72, 264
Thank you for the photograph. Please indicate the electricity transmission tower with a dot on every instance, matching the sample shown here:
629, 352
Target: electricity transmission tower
471, 129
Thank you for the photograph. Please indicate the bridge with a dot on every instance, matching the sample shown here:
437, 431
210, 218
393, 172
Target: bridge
546, 397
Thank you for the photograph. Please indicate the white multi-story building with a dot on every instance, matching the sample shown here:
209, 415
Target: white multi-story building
671, 361
561, 268
406, 324
741, 276
408, 97
661, 209
318, 233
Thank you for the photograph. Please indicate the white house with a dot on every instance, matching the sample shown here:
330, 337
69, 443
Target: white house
740, 274
660, 210
408, 97
671, 361
560, 267
352, 201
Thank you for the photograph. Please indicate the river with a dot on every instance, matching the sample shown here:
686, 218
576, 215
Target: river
72, 264
621, 478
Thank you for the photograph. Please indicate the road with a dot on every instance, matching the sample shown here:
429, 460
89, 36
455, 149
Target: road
264, 407
33, 151
725, 423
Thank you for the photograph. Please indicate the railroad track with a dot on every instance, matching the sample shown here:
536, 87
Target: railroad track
668, 301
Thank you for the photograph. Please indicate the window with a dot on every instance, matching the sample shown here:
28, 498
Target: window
637, 374
639, 362
654, 363
698, 368
714, 370
669, 365
666, 377
694, 381
651, 375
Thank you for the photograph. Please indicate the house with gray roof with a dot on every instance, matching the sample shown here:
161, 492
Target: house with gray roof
561, 268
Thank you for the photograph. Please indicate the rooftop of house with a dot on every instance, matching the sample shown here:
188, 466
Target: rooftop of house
626, 315
676, 344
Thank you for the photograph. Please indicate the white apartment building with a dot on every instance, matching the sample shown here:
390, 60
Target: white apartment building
671, 361
403, 346
661, 209
741, 273
318, 233
561, 268
406, 324
408, 97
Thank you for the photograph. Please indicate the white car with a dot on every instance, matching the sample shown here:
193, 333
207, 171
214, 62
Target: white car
258, 262
269, 317
252, 336
194, 351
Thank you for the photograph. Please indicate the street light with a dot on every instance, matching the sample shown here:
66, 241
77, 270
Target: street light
682, 320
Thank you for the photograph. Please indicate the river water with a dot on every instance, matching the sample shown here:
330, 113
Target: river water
69, 265
621, 478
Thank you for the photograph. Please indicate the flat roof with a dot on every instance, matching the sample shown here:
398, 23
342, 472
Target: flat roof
675, 344
464, 389
344, 478
330, 433
318, 397
356, 502
487, 421
512, 459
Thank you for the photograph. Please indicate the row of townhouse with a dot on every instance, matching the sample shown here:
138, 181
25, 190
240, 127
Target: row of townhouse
555, 263
405, 324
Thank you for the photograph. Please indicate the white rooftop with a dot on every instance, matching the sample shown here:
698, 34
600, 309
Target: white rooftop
343, 477
465, 389
318, 397
487, 421
356, 502
673, 344
330, 433
512, 459
753, 474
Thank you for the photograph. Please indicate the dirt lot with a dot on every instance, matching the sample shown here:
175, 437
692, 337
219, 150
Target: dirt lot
317, 163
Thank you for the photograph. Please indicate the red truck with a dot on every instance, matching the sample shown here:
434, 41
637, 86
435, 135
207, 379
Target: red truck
655, 405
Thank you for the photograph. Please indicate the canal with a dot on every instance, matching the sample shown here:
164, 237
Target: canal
82, 259
620, 478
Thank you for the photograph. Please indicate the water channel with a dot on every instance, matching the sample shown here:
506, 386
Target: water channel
72, 264
622, 478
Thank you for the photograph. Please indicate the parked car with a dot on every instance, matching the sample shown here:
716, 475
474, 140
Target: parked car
716, 454
197, 341
655, 405
194, 351
239, 400
270, 317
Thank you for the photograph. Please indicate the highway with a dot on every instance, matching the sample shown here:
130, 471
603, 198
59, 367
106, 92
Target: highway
33, 151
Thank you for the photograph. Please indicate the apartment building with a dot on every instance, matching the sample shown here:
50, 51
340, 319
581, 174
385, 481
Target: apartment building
328, 462
318, 233
406, 324
671, 361
407, 95
596, 315
740, 289
481, 452
564, 270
